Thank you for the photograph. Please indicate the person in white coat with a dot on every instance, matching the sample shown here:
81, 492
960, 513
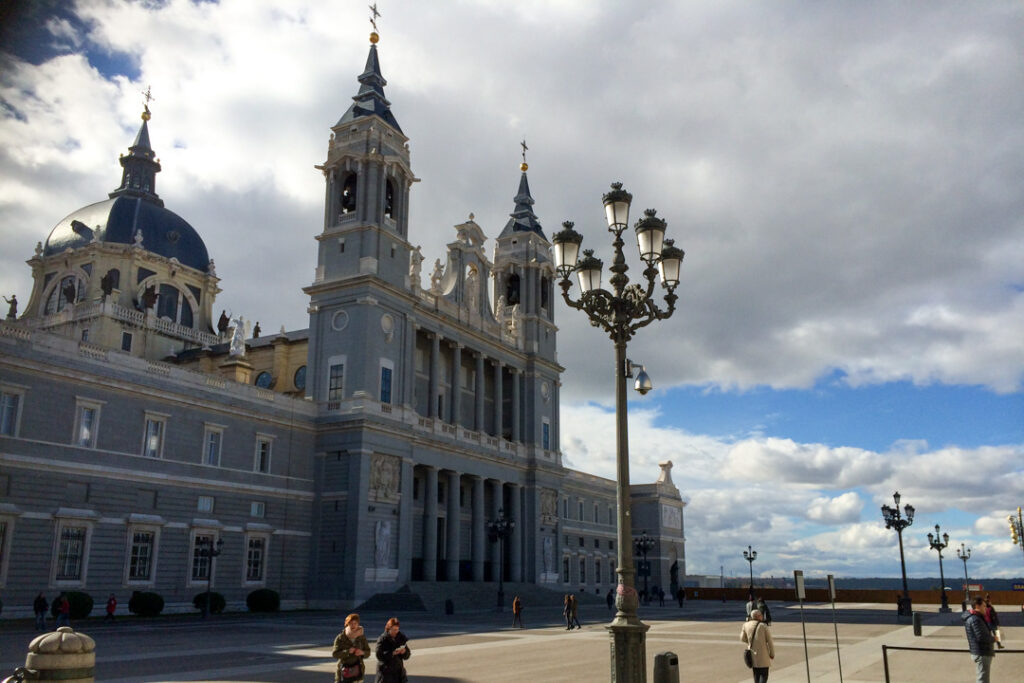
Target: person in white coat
758, 637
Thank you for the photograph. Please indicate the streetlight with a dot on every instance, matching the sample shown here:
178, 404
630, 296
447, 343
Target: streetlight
1017, 529
965, 555
620, 313
644, 545
938, 544
207, 550
750, 555
498, 530
893, 520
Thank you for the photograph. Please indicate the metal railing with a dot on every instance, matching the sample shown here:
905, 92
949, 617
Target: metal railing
886, 648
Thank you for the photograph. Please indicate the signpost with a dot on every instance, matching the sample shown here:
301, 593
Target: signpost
835, 622
801, 595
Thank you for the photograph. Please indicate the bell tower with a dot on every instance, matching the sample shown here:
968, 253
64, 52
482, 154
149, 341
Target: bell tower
368, 177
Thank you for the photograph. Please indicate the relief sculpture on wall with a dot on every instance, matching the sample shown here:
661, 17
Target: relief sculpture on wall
384, 475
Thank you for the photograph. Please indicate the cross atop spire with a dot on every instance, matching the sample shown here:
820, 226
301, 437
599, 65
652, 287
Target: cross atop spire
374, 14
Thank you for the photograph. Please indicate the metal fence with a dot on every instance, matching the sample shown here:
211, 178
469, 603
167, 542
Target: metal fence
952, 661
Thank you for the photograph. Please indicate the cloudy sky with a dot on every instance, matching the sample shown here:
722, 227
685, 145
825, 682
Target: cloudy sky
846, 179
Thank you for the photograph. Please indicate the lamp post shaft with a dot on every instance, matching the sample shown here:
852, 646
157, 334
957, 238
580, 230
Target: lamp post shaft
942, 579
967, 583
903, 568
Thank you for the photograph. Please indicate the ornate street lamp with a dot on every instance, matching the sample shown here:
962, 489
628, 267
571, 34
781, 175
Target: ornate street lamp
1017, 529
893, 520
965, 555
497, 531
620, 312
207, 550
644, 545
938, 544
750, 555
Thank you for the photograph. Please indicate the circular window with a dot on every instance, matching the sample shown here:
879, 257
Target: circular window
339, 321
263, 380
300, 378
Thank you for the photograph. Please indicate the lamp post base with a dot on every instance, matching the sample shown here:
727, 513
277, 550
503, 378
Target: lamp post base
945, 604
629, 651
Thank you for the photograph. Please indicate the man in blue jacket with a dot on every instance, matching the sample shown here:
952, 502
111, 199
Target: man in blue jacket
980, 639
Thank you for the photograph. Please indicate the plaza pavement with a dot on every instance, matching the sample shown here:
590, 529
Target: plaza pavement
481, 647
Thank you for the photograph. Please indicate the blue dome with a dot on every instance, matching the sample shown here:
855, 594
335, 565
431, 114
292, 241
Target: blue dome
116, 221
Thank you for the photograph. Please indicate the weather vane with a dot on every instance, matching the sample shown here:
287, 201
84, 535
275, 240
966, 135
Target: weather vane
373, 16
148, 94
522, 144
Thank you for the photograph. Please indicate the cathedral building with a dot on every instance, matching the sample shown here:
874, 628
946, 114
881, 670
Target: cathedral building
146, 445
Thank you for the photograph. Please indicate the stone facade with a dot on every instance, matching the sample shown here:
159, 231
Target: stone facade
335, 462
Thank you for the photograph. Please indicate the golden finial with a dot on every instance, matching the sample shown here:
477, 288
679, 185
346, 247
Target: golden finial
148, 94
373, 22
523, 166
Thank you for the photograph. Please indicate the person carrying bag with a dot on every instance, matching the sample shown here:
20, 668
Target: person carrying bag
760, 647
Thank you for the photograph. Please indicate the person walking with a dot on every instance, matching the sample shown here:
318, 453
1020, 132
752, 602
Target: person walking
979, 639
610, 598
567, 611
574, 607
661, 597
763, 606
517, 612
111, 608
751, 605
992, 619
39, 607
392, 650
681, 596
350, 649
758, 637
63, 611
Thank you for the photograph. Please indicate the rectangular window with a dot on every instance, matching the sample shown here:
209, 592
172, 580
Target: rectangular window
205, 504
10, 402
87, 424
595, 513
85, 335
126, 341
611, 515
254, 559
583, 570
201, 556
335, 386
71, 553
581, 541
565, 570
140, 562
212, 438
611, 571
597, 543
546, 435
565, 508
4, 526
385, 385
263, 450
597, 571
579, 510
153, 445
257, 509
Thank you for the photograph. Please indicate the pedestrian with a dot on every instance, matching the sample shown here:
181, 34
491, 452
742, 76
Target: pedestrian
763, 606
350, 649
681, 596
610, 599
758, 637
567, 611
992, 619
63, 611
392, 650
39, 607
574, 606
979, 639
517, 612
661, 597
111, 608
751, 605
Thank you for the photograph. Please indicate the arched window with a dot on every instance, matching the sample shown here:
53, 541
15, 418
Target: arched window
545, 286
174, 305
347, 201
389, 199
70, 289
512, 289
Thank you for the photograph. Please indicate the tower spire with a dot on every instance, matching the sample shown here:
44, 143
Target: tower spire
522, 218
140, 165
370, 100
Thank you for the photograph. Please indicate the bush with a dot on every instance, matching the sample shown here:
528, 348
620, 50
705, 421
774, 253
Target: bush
217, 602
263, 600
81, 604
146, 604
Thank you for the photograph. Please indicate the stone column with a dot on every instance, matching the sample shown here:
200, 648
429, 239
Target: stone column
435, 371
456, 402
405, 515
479, 534
496, 504
498, 416
516, 378
430, 524
515, 543
409, 368
478, 418
453, 526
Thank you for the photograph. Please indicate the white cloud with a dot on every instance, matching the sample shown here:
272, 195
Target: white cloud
842, 508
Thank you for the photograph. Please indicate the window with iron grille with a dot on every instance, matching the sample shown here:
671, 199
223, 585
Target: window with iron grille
71, 553
140, 562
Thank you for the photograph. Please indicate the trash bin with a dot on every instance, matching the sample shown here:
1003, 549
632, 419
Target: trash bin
917, 623
666, 668
449, 606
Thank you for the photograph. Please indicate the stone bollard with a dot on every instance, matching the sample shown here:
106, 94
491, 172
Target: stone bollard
63, 655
